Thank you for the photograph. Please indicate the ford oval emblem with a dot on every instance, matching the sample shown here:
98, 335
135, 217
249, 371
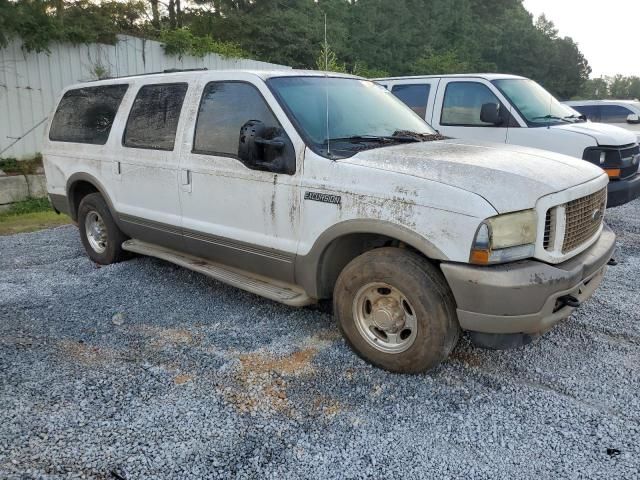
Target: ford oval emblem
597, 215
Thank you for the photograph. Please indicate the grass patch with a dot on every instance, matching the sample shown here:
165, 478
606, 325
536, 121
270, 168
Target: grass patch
30, 215
30, 205
29, 166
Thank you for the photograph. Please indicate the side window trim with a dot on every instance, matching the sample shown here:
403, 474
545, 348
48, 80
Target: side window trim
444, 97
133, 102
195, 124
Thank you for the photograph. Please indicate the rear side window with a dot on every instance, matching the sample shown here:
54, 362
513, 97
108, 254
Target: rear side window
154, 116
85, 115
414, 96
224, 109
614, 114
463, 102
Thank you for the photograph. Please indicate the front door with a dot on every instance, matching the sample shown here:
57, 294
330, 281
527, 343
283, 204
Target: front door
232, 213
459, 111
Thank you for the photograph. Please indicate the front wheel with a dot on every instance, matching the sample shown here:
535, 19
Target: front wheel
396, 310
101, 237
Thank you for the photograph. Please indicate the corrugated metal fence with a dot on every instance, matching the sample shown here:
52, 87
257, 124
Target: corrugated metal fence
31, 82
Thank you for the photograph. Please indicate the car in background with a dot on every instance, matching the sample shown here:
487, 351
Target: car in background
621, 113
516, 110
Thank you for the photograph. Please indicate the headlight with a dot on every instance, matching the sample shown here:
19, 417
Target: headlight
505, 238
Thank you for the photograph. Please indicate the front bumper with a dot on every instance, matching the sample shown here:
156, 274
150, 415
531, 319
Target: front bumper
523, 297
623, 191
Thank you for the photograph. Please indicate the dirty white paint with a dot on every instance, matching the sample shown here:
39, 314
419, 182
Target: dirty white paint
31, 82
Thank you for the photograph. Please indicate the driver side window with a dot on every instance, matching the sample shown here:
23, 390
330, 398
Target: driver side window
224, 109
463, 103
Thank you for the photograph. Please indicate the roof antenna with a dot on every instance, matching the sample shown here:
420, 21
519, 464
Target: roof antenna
326, 67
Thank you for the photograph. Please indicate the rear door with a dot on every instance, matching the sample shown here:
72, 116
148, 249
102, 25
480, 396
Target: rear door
458, 110
146, 168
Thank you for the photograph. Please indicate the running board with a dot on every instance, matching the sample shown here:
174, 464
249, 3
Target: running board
278, 291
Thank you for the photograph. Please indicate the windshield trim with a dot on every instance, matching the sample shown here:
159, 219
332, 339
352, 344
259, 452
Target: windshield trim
309, 143
550, 122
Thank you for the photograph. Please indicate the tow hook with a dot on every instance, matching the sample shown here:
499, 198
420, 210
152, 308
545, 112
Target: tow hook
569, 300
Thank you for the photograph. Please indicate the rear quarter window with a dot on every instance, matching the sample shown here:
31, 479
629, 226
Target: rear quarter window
85, 115
154, 116
415, 96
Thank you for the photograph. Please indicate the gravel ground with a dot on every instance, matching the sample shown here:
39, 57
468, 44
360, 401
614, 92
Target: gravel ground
146, 370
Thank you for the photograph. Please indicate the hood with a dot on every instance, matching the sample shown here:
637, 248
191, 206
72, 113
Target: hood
509, 177
603, 134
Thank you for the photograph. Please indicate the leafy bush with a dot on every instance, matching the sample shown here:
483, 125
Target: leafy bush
21, 167
182, 42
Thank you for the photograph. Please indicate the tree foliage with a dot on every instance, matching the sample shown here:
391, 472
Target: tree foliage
368, 37
618, 87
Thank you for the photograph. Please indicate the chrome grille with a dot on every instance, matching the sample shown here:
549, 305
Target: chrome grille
583, 219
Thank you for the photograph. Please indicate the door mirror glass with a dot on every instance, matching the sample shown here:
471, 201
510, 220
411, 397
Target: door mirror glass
633, 118
490, 113
266, 148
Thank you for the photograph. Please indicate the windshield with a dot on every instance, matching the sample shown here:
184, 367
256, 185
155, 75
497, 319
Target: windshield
535, 104
361, 115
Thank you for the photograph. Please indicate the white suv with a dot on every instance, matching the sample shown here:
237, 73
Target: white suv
301, 186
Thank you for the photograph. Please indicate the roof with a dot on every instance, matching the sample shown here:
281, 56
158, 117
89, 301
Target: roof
264, 74
603, 102
486, 76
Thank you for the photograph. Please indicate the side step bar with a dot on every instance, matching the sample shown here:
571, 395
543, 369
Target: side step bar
278, 291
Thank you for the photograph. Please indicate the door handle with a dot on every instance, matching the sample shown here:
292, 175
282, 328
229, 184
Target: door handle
117, 170
185, 179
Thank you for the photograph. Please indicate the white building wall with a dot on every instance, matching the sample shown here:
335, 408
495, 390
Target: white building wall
31, 82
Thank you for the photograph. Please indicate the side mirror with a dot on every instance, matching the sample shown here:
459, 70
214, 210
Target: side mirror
490, 113
633, 118
266, 148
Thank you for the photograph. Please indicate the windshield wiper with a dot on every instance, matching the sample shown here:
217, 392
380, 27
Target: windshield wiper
573, 116
551, 117
373, 138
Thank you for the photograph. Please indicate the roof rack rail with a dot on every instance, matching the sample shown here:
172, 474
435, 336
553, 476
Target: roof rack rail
168, 70
175, 70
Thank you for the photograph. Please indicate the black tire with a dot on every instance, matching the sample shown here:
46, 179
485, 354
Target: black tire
112, 253
432, 305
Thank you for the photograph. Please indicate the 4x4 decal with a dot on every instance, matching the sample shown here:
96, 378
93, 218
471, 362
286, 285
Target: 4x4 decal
322, 197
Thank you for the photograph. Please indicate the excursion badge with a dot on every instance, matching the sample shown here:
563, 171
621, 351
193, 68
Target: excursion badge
323, 197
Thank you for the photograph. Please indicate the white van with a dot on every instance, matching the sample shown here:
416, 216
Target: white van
247, 178
516, 110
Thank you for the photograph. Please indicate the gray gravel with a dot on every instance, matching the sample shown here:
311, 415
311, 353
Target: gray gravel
146, 370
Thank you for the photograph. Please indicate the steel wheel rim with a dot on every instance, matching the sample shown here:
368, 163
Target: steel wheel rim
96, 231
385, 318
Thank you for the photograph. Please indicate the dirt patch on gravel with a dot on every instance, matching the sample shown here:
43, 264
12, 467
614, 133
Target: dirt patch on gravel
294, 364
166, 337
182, 379
80, 352
261, 380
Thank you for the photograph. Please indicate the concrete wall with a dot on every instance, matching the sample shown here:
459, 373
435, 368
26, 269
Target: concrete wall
31, 82
16, 188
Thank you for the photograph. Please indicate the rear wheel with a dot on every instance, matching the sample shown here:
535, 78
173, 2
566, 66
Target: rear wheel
396, 310
101, 237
